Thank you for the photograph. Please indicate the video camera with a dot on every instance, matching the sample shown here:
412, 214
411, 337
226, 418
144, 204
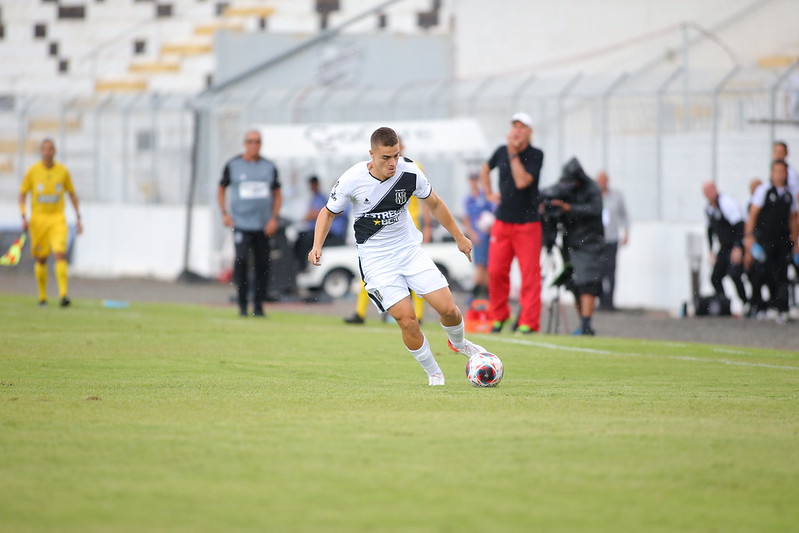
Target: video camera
551, 213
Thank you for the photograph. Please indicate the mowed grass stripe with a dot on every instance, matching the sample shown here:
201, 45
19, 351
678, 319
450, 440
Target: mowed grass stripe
188, 418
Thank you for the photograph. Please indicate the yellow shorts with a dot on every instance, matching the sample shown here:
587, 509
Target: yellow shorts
48, 235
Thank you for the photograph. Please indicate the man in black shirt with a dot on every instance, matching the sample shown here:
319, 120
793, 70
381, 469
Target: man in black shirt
770, 233
517, 229
725, 224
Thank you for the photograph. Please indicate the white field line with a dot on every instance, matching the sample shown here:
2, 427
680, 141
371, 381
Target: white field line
633, 354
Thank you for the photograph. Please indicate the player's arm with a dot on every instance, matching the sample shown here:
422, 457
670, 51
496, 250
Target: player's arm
22, 209
227, 220
427, 223
442, 213
274, 223
485, 180
75, 205
521, 178
323, 222
749, 233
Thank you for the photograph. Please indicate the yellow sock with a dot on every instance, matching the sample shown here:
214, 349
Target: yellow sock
363, 302
418, 305
61, 277
40, 272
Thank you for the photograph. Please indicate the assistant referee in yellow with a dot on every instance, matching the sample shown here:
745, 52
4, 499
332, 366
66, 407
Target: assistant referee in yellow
47, 181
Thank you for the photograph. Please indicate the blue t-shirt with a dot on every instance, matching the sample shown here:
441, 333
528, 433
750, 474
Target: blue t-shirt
339, 225
475, 207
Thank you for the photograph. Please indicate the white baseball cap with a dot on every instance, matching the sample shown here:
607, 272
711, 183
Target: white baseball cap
524, 118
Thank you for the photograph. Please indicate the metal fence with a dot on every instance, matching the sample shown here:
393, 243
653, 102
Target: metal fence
658, 133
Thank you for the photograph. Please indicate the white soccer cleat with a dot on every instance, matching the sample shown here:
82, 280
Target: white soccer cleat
468, 349
435, 379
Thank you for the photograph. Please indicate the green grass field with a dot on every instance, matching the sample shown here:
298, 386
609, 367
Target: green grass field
188, 418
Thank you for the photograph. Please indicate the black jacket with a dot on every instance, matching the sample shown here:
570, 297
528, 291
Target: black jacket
582, 224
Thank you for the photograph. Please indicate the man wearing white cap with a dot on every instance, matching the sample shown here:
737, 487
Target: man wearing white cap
517, 229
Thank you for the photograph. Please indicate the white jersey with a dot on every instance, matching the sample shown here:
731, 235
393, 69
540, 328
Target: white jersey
380, 208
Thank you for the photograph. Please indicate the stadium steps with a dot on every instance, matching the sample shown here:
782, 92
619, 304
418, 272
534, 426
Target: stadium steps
211, 28
252, 10
777, 61
120, 85
44, 124
6, 164
11, 146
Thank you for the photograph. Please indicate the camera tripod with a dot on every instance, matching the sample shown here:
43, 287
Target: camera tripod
554, 311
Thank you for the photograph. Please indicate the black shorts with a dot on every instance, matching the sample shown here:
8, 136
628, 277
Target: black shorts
593, 288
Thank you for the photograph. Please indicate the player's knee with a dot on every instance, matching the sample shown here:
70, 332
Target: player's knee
450, 313
407, 322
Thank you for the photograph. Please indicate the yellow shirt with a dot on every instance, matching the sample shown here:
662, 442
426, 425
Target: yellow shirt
47, 187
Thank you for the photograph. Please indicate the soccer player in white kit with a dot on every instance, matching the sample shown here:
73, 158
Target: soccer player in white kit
391, 258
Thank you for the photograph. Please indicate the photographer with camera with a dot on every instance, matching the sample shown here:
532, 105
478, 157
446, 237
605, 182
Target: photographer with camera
576, 202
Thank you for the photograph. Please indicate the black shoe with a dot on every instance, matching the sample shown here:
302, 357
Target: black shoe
242, 312
355, 319
64, 302
258, 311
42, 303
589, 332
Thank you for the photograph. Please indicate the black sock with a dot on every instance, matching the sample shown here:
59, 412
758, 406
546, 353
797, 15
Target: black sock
586, 322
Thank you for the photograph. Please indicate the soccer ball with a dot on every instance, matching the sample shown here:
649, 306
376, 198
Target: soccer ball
484, 370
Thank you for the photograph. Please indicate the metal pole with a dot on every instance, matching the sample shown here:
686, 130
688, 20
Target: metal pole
605, 128
154, 101
685, 79
659, 142
322, 101
561, 129
435, 93
357, 98
714, 144
473, 98
22, 133
395, 96
96, 145
517, 92
62, 129
774, 88
125, 147
186, 274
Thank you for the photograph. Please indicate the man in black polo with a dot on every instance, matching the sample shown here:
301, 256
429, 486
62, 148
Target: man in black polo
725, 224
516, 231
770, 233
255, 200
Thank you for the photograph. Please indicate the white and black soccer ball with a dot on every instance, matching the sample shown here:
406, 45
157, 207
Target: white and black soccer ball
484, 370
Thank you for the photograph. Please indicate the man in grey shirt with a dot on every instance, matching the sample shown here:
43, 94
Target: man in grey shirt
617, 231
255, 200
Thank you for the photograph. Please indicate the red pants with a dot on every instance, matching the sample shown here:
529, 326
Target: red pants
522, 241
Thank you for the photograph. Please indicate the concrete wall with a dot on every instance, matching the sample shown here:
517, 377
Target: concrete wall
147, 241
135, 240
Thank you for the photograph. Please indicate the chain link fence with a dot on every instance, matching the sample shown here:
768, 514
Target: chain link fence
659, 133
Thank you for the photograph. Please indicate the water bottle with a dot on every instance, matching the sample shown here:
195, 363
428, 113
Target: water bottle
758, 253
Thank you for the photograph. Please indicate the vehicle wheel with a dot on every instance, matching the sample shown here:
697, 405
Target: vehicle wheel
453, 285
338, 283
443, 270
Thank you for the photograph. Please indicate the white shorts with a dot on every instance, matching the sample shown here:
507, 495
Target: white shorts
389, 277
